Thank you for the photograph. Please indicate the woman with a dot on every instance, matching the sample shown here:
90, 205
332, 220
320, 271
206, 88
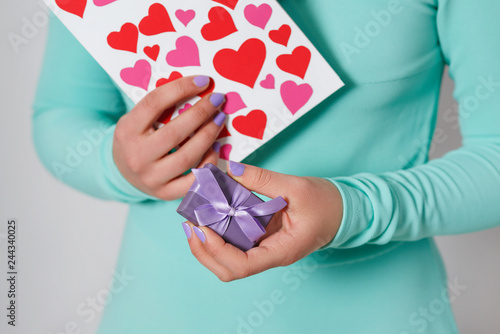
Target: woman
353, 251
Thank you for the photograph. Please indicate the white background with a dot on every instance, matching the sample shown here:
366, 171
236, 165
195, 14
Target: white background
67, 252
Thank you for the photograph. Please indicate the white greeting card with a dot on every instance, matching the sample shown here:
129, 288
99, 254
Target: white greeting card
256, 54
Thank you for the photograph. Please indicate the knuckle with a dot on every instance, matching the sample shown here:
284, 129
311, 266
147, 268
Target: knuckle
184, 160
243, 272
201, 112
262, 178
150, 101
183, 88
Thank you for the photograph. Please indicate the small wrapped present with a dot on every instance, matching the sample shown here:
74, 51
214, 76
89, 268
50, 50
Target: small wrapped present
236, 214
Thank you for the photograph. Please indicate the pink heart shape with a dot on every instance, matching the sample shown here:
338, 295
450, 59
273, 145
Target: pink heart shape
268, 83
295, 96
258, 16
225, 150
101, 3
139, 75
185, 16
186, 107
185, 54
234, 103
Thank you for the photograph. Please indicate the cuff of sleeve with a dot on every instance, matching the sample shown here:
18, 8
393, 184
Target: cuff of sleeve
121, 189
350, 215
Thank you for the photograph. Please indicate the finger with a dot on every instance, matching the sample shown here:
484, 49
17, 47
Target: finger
177, 130
150, 108
179, 186
196, 239
262, 181
243, 264
192, 150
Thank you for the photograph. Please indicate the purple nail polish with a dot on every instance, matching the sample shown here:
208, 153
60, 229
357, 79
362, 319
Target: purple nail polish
236, 168
200, 234
187, 229
216, 147
220, 118
216, 99
201, 80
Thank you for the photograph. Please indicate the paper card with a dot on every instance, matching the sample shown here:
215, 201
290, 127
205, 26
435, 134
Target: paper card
257, 55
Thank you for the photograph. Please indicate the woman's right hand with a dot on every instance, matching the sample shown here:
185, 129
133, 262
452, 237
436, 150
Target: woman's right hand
141, 152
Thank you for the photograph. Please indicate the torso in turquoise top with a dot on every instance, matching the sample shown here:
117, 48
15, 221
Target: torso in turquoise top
382, 273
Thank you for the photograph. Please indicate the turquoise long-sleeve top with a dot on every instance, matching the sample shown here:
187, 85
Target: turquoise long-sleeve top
382, 273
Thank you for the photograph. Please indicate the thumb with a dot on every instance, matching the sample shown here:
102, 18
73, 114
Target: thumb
262, 181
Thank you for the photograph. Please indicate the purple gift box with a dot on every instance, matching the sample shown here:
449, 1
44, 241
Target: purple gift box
232, 211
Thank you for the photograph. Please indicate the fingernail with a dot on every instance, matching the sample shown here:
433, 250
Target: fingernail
201, 80
236, 168
216, 99
220, 118
200, 234
187, 229
216, 147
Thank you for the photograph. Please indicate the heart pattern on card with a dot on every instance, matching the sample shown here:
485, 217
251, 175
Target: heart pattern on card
139, 75
152, 51
101, 3
282, 35
258, 16
167, 115
224, 133
225, 151
229, 3
244, 65
268, 82
234, 103
296, 63
173, 76
252, 125
221, 25
185, 16
125, 39
295, 96
76, 7
252, 51
156, 22
185, 54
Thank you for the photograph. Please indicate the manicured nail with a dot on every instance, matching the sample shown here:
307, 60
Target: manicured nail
220, 118
216, 147
187, 229
201, 80
236, 168
216, 99
200, 234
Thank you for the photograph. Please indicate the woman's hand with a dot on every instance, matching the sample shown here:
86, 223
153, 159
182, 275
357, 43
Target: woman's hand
311, 219
141, 153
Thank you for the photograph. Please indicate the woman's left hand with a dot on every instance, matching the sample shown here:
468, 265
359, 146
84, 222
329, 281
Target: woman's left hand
311, 220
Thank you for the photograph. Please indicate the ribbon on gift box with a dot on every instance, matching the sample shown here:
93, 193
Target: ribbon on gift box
218, 213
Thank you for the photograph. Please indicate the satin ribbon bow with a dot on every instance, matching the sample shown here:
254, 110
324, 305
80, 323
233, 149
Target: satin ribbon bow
219, 213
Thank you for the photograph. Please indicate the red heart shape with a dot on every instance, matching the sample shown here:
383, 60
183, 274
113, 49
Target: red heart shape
221, 25
282, 35
252, 125
152, 51
173, 76
76, 7
224, 133
297, 63
167, 115
230, 3
157, 22
125, 39
244, 65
